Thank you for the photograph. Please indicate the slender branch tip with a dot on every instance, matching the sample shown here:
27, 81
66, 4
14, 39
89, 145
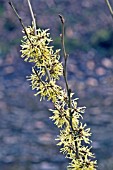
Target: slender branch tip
62, 18
32, 15
110, 7
9, 2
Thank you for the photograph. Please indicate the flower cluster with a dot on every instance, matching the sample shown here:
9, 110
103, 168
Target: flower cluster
47, 68
74, 136
36, 49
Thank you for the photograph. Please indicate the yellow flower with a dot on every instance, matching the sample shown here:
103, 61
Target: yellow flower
59, 117
45, 89
36, 49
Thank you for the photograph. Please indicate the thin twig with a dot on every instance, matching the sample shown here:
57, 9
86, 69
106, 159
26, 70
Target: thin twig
109, 6
65, 62
36, 21
33, 16
20, 19
62, 36
64, 52
66, 82
48, 73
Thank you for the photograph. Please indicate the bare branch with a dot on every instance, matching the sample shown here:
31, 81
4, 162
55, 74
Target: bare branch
109, 6
32, 15
64, 52
62, 35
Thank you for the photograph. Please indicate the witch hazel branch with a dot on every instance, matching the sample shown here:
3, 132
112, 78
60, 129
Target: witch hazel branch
74, 136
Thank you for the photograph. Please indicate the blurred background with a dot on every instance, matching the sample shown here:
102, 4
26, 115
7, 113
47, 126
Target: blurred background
26, 133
